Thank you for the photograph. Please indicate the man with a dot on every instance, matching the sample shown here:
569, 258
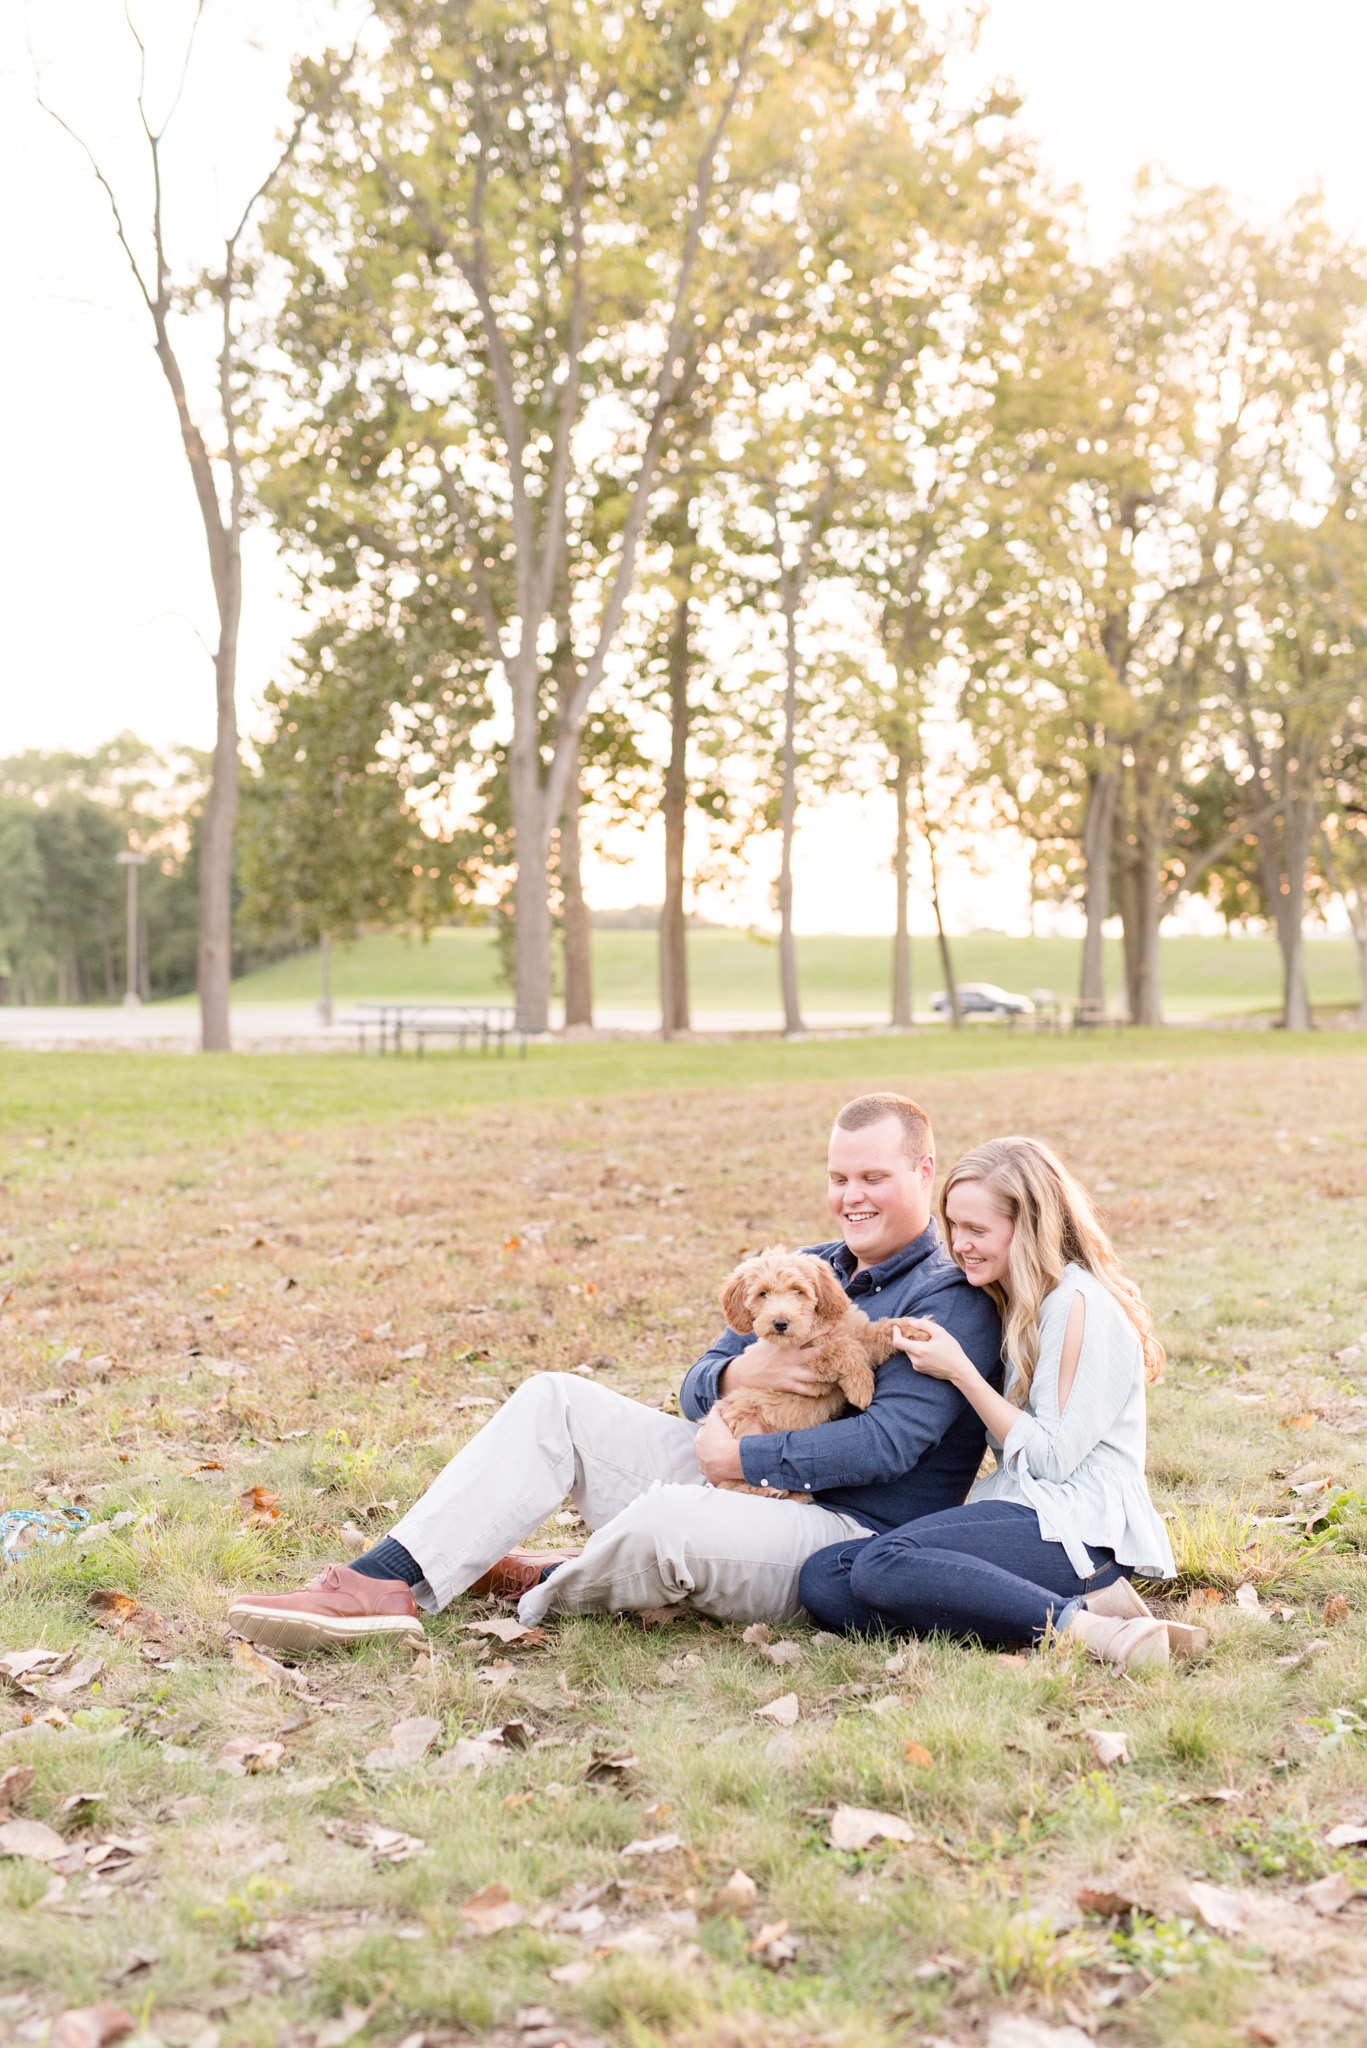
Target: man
647, 1484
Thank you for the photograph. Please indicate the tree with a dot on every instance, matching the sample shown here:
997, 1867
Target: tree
518, 214
217, 463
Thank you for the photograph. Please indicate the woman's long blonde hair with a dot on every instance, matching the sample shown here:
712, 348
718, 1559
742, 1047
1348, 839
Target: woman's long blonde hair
1054, 1225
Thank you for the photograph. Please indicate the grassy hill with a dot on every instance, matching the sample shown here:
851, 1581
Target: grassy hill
731, 971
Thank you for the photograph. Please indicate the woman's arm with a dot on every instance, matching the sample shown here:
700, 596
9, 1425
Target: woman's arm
1049, 1449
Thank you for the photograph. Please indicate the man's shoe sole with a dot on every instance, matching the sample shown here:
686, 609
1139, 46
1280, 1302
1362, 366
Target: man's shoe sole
299, 1632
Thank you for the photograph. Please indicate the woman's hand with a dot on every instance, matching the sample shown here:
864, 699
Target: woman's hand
934, 1352
775, 1369
716, 1450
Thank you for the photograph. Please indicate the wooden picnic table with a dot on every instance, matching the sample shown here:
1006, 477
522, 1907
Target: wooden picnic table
481, 1023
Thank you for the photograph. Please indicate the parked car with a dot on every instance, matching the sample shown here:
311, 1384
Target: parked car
984, 999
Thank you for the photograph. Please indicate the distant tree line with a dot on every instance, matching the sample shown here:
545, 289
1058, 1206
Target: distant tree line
668, 410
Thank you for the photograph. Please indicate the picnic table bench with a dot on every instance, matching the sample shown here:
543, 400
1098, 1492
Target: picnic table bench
483, 1024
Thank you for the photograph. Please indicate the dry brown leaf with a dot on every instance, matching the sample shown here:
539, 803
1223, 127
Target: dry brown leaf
1205, 1596
609, 1770
409, 1742
389, 1845
758, 1632
1330, 1894
21, 1664
739, 1892
781, 1654
653, 1845
916, 1755
858, 1827
249, 1664
81, 1674
14, 1783
244, 1757
1109, 1745
203, 1471
260, 1506
783, 1711
658, 1617
1246, 1596
1346, 1835
1335, 1608
125, 1615
493, 1909
1106, 1905
31, 1838
572, 1975
89, 2026
562, 1686
1221, 1910
506, 1631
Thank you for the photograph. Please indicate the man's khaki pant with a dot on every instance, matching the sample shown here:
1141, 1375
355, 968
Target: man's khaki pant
661, 1535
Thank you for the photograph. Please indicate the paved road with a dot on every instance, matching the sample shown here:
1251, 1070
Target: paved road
284, 1027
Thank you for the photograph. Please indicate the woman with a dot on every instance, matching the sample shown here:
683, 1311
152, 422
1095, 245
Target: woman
1048, 1541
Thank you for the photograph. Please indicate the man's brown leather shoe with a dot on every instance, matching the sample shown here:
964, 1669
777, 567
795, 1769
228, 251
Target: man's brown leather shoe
518, 1572
340, 1606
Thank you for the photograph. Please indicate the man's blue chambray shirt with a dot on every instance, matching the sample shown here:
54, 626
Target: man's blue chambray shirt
917, 1447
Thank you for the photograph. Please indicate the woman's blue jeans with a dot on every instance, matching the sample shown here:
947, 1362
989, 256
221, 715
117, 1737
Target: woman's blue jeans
982, 1571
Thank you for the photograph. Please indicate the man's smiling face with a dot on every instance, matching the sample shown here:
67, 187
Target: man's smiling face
878, 1196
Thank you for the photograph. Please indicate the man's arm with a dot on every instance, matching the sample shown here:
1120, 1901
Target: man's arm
700, 1391
909, 1415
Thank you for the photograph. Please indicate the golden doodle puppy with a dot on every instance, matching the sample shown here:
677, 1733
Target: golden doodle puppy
793, 1299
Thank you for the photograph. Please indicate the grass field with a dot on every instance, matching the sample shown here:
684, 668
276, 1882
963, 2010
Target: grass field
450, 1228
729, 971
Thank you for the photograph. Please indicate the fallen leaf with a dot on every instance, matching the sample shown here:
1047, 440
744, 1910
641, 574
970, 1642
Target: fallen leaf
1221, 1910
758, 1632
1021, 2030
202, 1471
81, 1674
335, 2033
654, 1845
1105, 1905
784, 1710
1346, 1834
573, 1974
249, 1664
24, 1663
781, 1653
244, 1756
390, 1845
1246, 1596
122, 1613
259, 1506
773, 1945
772, 1931
1330, 1894
1109, 1746
857, 1827
90, 2026
1305, 1656
562, 1686
518, 1734
493, 1909
15, 1782
31, 1838
1335, 1608
409, 1741
506, 1631
285, 1284
1299, 1422
134, 1963
1205, 1596
657, 1617
609, 1770
894, 1665
914, 1754
1209, 1795
739, 1892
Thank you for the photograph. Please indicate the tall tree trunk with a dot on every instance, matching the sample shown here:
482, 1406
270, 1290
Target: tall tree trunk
787, 952
901, 861
323, 1006
1138, 870
1354, 901
956, 1015
216, 843
674, 1006
578, 938
1283, 853
1097, 838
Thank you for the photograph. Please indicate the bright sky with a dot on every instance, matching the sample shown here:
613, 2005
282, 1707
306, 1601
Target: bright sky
105, 591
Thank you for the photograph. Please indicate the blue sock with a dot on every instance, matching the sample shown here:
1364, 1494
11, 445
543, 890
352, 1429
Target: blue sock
388, 1560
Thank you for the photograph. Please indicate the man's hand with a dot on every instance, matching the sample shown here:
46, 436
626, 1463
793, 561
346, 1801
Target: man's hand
775, 1368
717, 1451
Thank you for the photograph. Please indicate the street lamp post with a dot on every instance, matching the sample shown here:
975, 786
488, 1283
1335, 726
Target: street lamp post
132, 861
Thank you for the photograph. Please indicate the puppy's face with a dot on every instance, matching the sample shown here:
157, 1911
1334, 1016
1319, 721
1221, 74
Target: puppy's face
788, 1297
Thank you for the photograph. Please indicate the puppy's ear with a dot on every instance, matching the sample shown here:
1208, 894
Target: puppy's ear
831, 1298
735, 1300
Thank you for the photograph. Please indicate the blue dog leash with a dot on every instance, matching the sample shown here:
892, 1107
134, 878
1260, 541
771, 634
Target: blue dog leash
51, 1524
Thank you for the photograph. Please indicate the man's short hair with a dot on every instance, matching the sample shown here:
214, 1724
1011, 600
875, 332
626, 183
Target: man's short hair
917, 1136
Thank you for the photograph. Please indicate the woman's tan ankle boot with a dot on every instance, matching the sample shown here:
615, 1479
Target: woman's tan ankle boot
1119, 1601
1128, 1645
